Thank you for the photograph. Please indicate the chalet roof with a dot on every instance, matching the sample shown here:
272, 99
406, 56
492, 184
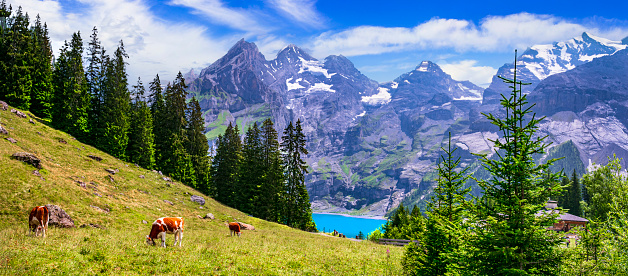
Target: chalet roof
563, 216
570, 217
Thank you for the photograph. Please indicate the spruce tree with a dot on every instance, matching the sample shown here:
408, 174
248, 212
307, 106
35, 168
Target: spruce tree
268, 205
41, 92
95, 77
157, 108
71, 100
116, 106
510, 238
141, 147
16, 62
252, 170
297, 210
181, 162
197, 145
225, 167
176, 158
575, 195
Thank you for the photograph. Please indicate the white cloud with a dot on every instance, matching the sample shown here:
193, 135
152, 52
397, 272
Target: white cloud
467, 70
154, 46
218, 13
302, 11
494, 33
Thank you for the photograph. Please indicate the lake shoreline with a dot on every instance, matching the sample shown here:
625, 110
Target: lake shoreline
351, 216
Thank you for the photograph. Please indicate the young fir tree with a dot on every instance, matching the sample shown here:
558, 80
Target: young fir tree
393, 226
95, 76
296, 201
16, 62
197, 145
141, 147
225, 167
510, 239
445, 225
116, 106
157, 109
252, 170
268, 205
71, 100
41, 92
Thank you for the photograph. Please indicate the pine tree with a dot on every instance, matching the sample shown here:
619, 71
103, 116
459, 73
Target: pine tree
197, 145
225, 167
116, 106
251, 170
297, 210
16, 61
41, 92
512, 239
269, 205
141, 147
71, 100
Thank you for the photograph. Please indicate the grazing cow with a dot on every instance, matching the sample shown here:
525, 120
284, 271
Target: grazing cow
38, 220
234, 227
163, 226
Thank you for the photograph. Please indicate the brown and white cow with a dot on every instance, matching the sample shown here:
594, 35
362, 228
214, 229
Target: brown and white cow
38, 220
163, 226
234, 227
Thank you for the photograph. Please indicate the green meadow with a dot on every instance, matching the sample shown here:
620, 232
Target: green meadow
120, 203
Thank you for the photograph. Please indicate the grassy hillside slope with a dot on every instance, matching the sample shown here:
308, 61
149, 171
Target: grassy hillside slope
119, 248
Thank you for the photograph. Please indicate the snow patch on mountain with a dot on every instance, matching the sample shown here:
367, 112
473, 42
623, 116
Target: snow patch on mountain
320, 87
315, 67
294, 85
381, 98
423, 66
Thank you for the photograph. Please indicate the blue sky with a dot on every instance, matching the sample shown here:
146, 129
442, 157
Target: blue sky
468, 39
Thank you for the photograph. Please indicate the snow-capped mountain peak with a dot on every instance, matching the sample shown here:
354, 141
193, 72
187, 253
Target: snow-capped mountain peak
549, 59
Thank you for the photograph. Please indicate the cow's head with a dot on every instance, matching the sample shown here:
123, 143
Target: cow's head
149, 241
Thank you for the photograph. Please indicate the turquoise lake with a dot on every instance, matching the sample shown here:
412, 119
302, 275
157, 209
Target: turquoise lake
350, 226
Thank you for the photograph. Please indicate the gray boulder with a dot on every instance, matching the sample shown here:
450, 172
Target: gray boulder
3, 130
18, 113
28, 158
209, 216
198, 199
3, 105
58, 217
245, 226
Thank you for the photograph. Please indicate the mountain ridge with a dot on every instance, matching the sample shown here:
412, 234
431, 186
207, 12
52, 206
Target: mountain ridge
372, 144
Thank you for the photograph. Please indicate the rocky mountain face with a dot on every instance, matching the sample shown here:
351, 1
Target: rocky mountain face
374, 145
588, 105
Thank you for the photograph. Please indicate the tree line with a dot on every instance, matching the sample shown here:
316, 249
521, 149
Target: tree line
87, 95
505, 230
263, 177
